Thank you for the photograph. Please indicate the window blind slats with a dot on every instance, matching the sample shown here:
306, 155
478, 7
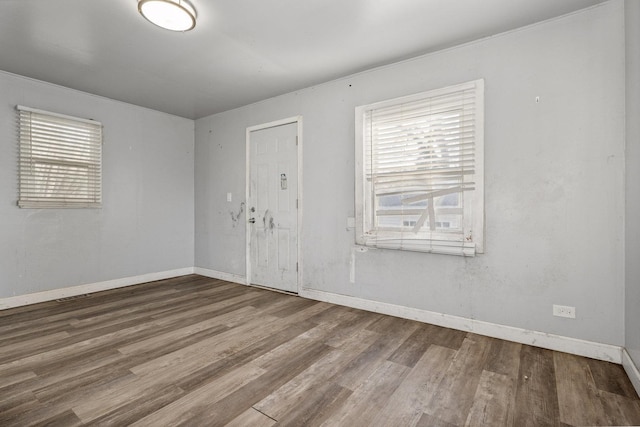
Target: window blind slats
416, 212
419, 156
397, 165
406, 189
60, 161
55, 156
39, 174
81, 145
439, 105
424, 136
58, 133
460, 141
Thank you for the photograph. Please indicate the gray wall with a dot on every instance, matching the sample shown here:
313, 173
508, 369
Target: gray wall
146, 223
632, 250
554, 181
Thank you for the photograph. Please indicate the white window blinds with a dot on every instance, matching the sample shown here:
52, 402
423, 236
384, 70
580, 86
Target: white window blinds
421, 173
60, 161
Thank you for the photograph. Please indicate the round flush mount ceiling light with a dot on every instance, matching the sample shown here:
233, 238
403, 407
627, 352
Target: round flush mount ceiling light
174, 15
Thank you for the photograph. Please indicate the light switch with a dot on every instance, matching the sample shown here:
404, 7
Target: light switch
228, 197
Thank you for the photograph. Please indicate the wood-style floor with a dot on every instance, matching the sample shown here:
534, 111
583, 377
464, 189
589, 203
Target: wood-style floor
196, 351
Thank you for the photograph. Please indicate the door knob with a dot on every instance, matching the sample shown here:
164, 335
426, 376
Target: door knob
252, 220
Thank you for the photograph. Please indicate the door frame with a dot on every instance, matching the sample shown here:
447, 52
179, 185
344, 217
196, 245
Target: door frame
298, 121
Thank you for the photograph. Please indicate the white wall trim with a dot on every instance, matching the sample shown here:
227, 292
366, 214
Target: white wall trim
594, 350
214, 274
54, 294
631, 369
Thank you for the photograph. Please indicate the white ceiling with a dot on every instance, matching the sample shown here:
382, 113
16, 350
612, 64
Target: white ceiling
241, 51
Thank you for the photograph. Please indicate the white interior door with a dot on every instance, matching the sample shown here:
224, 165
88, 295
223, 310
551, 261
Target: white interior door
272, 207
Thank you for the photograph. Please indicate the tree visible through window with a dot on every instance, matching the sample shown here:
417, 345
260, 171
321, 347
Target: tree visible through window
60, 160
419, 176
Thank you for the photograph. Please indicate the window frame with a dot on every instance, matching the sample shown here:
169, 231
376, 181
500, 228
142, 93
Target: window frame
62, 149
467, 243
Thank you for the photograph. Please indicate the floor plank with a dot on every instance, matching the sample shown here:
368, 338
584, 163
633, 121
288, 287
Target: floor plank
536, 392
578, 399
252, 418
290, 398
410, 400
458, 386
319, 404
197, 401
198, 351
363, 406
492, 404
225, 410
612, 378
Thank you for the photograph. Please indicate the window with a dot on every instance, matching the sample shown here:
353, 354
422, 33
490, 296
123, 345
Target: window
419, 171
60, 160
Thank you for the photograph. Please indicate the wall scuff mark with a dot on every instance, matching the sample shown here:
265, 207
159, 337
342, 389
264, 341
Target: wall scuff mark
235, 217
267, 222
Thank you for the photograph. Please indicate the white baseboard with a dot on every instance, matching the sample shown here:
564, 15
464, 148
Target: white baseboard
55, 294
214, 274
631, 370
606, 352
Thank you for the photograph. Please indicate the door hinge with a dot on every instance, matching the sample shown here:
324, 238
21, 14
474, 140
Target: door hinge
296, 203
296, 267
296, 140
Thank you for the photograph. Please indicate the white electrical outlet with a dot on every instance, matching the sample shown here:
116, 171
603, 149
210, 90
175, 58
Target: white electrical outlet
564, 311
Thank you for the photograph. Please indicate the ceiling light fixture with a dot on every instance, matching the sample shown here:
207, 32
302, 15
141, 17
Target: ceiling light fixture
174, 15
